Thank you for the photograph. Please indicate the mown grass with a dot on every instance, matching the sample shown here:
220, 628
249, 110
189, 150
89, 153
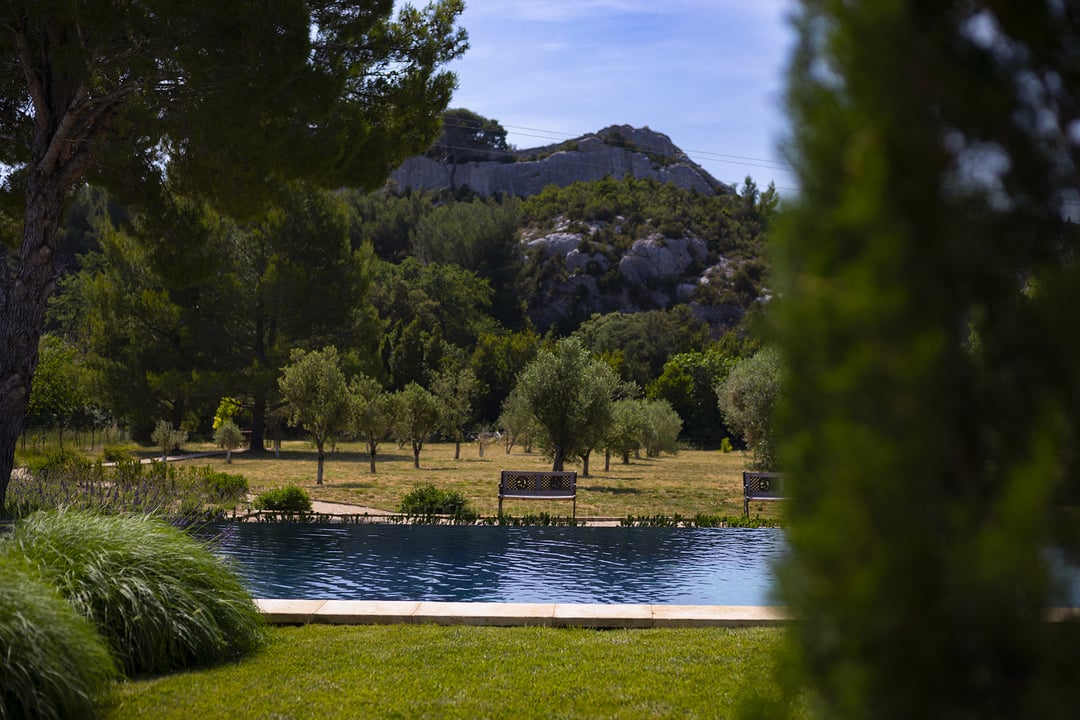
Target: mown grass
691, 482
427, 671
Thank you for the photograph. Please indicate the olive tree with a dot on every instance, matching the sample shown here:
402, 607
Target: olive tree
419, 414
747, 400
314, 387
229, 436
457, 391
166, 437
372, 413
662, 428
571, 395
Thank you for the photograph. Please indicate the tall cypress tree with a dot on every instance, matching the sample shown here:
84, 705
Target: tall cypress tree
929, 282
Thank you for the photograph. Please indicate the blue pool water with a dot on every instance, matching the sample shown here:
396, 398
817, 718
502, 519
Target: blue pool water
678, 566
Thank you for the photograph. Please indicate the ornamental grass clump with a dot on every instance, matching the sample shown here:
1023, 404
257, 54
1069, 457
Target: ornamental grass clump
53, 663
161, 599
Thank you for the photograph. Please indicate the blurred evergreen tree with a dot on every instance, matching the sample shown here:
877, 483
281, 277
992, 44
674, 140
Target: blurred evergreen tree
929, 282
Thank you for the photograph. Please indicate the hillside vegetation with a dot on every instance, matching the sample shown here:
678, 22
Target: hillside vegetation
163, 316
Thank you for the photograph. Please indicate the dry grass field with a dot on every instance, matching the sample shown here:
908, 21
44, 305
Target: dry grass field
691, 482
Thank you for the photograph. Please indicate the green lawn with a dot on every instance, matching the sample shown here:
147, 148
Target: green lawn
428, 671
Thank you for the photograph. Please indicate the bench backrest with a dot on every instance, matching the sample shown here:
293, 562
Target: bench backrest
531, 483
763, 485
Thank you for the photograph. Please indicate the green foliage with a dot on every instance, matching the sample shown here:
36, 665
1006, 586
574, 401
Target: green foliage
115, 453
227, 409
229, 436
456, 392
497, 360
662, 428
480, 236
418, 415
626, 434
59, 382
211, 99
519, 423
53, 662
543, 519
688, 382
288, 498
469, 137
727, 224
643, 342
725, 445
427, 501
167, 438
224, 487
314, 386
161, 599
748, 398
700, 520
57, 462
371, 413
179, 494
570, 394
931, 475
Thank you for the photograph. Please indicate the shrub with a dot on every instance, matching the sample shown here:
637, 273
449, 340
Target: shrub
57, 461
53, 663
161, 599
115, 453
182, 495
224, 487
427, 501
289, 498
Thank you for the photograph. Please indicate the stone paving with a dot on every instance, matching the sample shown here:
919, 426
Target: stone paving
365, 612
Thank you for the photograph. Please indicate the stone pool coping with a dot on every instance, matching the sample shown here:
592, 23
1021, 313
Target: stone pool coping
368, 612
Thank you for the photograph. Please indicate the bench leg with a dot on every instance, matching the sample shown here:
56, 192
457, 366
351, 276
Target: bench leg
746, 506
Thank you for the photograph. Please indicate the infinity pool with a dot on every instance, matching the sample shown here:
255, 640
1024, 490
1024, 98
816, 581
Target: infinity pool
678, 566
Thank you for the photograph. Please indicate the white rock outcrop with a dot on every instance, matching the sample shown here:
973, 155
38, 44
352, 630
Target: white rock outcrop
659, 258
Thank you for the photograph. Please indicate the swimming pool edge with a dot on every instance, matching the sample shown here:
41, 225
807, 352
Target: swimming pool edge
366, 612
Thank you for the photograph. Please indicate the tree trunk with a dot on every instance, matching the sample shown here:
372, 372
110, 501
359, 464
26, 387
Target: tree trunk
416, 446
457, 449
228, 456
607, 461
371, 454
322, 458
585, 463
25, 287
558, 459
626, 458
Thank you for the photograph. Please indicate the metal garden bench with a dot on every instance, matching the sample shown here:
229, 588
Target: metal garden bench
761, 486
538, 485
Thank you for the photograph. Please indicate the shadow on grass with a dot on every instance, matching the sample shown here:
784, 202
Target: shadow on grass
354, 485
610, 490
348, 458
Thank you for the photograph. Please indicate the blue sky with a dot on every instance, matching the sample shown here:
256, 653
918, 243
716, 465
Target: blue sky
707, 73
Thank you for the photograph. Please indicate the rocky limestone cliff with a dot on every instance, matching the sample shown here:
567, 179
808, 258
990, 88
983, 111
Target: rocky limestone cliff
587, 277
616, 151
